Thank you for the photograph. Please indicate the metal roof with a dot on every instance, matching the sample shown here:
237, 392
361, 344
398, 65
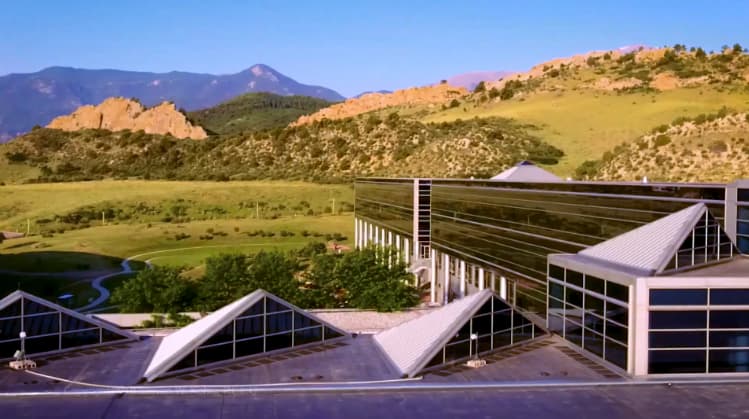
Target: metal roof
411, 345
177, 345
526, 171
650, 247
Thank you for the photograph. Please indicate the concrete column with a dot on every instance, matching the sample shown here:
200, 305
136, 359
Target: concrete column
493, 284
357, 233
398, 247
462, 279
407, 251
382, 238
503, 288
481, 279
377, 235
433, 278
446, 278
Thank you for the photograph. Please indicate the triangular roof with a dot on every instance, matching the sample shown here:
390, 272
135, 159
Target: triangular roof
650, 247
526, 171
22, 296
179, 344
411, 345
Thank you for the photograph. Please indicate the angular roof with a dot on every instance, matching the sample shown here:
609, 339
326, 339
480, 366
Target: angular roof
179, 344
526, 171
22, 295
411, 345
649, 248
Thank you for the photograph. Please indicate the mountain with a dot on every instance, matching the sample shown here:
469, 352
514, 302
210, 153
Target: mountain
36, 98
117, 114
384, 92
472, 79
255, 112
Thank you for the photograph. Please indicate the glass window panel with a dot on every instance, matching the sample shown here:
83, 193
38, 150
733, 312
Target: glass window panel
255, 310
463, 333
729, 319
522, 333
456, 351
573, 332
278, 322
305, 336
12, 310
226, 334
618, 292
677, 362
10, 328
678, 319
738, 338
249, 347
108, 336
215, 353
676, 297
556, 290
678, 339
729, 360
556, 323
616, 353
485, 309
743, 195
575, 278
595, 284
518, 319
437, 359
614, 331
482, 325
74, 339
250, 327
70, 323
594, 323
301, 321
556, 272
593, 342
500, 305
502, 339
555, 305
9, 348
42, 324
593, 304
574, 297
44, 344
734, 296
31, 307
330, 333
275, 342
272, 306
187, 362
617, 313
484, 344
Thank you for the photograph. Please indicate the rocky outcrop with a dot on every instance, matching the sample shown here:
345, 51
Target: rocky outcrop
117, 114
427, 95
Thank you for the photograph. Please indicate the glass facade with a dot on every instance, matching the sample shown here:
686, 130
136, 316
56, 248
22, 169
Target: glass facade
698, 331
387, 203
266, 326
742, 221
590, 312
47, 329
706, 243
496, 325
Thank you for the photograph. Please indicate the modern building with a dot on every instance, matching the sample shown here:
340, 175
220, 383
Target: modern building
607, 265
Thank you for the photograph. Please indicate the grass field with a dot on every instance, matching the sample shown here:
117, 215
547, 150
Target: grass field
585, 123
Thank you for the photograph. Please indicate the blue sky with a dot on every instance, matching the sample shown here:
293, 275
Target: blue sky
350, 46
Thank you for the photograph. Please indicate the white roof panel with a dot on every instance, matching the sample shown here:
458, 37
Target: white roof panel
526, 171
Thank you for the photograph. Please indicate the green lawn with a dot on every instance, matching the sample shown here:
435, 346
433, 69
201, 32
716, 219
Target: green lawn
586, 123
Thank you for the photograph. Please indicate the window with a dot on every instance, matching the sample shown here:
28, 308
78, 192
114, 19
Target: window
678, 319
729, 296
677, 362
678, 297
556, 272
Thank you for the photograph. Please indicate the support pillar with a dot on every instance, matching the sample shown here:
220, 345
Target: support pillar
433, 278
446, 278
481, 279
407, 251
462, 279
503, 288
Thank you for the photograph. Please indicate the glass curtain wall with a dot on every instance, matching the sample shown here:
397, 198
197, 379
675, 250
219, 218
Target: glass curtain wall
266, 326
590, 312
47, 329
742, 221
496, 325
386, 203
698, 331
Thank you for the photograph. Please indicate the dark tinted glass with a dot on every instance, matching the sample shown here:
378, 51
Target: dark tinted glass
482, 325
457, 351
302, 321
574, 278
574, 297
74, 339
674, 297
31, 307
10, 328
616, 353
12, 310
215, 354
617, 313
226, 334
595, 284
593, 342
556, 290
678, 339
593, 304
254, 310
678, 319
250, 327
108, 336
614, 331
556, 272
278, 342
743, 195
729, 296
616, 291
187, 362
272, 306
502, 339
727, 339
729, 360
729, 319
305, 336
249, 347
677, 362
278, 322
330, 333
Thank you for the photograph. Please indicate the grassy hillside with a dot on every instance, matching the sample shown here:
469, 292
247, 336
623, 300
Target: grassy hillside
320, 151
255, 112
709, 148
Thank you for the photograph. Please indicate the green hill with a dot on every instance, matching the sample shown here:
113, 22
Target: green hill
255, 112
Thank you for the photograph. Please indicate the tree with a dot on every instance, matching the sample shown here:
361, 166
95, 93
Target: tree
737, 48
700, 54
158, 290
481, 87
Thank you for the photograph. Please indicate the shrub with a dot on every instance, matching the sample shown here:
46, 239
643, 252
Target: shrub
661, 140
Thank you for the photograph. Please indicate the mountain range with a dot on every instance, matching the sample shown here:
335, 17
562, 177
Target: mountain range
33, 99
